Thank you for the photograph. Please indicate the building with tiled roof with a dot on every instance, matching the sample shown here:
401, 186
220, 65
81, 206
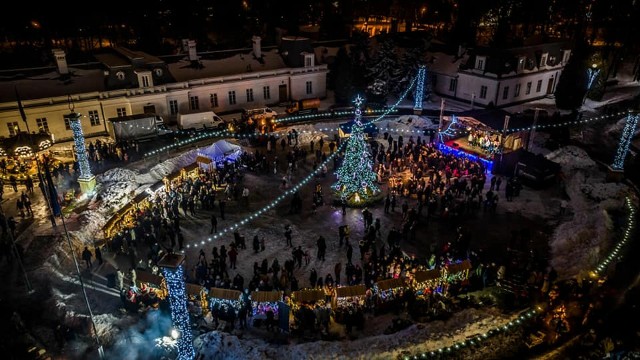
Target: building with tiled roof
126, 82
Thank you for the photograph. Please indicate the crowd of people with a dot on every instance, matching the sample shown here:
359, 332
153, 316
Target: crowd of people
430, 185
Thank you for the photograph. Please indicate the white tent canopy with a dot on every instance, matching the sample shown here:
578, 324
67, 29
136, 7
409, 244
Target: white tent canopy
220, 151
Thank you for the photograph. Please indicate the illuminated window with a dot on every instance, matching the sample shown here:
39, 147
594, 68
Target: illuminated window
14, 129
94, 118
42, 125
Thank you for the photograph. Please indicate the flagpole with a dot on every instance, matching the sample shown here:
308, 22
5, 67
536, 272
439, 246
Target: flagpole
43, 188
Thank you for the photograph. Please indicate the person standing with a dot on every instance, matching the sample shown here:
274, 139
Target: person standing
387, 204
222, 203
233, 256
98, 254
337, 271
322, 247
86, 256
214, 224
498, 183
393, 203
349, 253
256, 244
20, 206
287, 235
120, 278
245, 196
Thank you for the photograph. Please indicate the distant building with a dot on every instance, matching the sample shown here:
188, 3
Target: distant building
125, 82
500, 77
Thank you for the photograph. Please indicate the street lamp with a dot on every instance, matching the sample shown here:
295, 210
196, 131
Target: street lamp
592, 73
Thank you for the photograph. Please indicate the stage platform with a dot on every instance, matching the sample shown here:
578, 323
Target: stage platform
461, 147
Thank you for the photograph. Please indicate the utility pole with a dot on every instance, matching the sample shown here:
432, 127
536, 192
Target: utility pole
440, 120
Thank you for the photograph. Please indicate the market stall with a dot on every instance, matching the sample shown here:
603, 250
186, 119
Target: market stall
308, 307
224, 304
149, 289
387, 293
348, 301
197, 299
426, 282
264, 301
456, 275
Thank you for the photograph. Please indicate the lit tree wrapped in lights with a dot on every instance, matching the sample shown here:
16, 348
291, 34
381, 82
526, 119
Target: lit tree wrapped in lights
356, 179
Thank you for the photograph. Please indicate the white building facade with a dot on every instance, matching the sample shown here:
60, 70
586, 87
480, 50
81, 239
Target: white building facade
502, 77
220, 94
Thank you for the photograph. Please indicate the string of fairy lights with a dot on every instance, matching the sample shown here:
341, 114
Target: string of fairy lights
478, 339
273, 203
568, 123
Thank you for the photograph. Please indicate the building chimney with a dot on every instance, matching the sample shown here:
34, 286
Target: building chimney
193, 56
185, 45
257, 52
61, 61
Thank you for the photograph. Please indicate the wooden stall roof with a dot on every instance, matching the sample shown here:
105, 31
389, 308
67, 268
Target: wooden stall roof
456, 268
193, 289
422, 276
266, 296
387, 284
148, 278
140, 197
347, 291
308, 295
225, 294
191, 167
203, 159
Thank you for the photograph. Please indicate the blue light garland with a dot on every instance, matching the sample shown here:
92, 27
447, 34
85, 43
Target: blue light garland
78, 140
461, 154
448, 131
625, 141
174, 278
591, 77
422, 71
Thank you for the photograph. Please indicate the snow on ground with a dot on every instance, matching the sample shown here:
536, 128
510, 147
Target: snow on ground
577, 243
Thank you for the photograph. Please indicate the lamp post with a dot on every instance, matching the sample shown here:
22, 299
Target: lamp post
592, 73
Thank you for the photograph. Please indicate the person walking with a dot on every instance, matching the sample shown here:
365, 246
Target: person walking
349, 253
120, 278
256, 244
214, 224
387, 204
245, 196
86, 256
222, 203
337, 270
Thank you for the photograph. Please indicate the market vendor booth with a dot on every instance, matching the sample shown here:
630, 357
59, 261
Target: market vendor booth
149, 289
388, 293
426, 282
303, 303
224, 304
264, 301
348, 301
456, 276
197, 299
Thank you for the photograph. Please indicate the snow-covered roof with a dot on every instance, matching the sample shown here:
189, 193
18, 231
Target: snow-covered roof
236, 64
49, 84
445, 63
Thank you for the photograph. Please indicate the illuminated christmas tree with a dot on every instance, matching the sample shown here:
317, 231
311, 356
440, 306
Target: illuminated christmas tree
356, 179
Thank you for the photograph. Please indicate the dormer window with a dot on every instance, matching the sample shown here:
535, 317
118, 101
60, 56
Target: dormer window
543, 60
120, 75
521, 63
480, 62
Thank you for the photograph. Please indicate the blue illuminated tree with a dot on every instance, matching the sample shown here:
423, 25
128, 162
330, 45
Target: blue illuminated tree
356, 178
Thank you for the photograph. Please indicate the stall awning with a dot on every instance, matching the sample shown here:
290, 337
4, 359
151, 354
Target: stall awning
308, 295
387, 284
266, 296
422, 276
203, 159
346, 291
460, 267
191, 167
193, 289
148, 278
224, 294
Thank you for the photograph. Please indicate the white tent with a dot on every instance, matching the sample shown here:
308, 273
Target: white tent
220, 151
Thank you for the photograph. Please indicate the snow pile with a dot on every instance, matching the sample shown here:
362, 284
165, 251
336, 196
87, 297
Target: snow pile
407, 123
579, 243
415, 339
572, 158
